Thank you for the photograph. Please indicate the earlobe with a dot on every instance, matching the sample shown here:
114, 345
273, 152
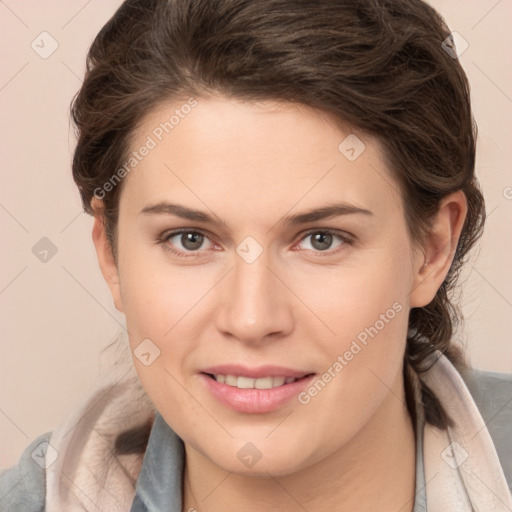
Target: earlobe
433, 262
106, 259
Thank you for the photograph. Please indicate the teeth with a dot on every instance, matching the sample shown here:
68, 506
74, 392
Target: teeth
264, 383
278, 381
231, 380
250, 383
245, 382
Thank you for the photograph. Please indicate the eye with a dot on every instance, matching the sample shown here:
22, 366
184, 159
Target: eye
191, 242
322, 240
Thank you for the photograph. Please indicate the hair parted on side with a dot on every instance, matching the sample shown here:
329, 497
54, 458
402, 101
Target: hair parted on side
376, 65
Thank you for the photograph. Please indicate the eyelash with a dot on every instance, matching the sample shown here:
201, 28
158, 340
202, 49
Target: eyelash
344, 237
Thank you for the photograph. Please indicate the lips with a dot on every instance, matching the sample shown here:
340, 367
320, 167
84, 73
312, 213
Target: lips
254, 390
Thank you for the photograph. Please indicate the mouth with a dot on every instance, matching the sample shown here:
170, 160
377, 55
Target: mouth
243, 382
254, 391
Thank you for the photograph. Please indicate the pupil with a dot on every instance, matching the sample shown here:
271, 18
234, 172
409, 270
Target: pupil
190, 240
321, 237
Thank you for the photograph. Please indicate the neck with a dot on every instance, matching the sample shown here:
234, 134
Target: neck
374, 471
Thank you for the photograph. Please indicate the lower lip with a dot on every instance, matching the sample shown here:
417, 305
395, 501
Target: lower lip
255, 400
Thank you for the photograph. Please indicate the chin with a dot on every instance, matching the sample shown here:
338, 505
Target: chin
261, 458
275, 466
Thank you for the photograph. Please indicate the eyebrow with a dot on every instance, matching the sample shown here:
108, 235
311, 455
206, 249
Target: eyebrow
324, 212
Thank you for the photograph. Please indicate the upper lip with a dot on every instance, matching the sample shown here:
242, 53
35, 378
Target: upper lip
255, 373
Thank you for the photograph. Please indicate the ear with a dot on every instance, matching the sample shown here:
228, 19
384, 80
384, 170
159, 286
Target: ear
106, 260
433, 261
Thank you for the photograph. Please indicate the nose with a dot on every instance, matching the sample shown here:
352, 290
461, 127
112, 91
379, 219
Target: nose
253, 303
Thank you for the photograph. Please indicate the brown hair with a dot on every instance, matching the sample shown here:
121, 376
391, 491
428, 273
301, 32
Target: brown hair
378, 65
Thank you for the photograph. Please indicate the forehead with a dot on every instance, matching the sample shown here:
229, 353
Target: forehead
247, 157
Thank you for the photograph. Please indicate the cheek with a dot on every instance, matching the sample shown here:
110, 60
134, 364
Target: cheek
362, 301
160, 305
156, 295
366, 309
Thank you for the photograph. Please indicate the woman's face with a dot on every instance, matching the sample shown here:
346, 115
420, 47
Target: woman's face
257, 289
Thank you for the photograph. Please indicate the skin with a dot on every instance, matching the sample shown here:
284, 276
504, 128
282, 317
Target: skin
352, 446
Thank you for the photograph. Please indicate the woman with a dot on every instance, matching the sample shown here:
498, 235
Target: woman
283, 196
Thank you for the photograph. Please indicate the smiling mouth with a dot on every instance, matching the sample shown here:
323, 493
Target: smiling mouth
242, 382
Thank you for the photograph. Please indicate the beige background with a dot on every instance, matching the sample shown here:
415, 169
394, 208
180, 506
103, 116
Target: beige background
57, 316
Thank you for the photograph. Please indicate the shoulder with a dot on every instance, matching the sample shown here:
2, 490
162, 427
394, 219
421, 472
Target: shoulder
492, 393
80, 454
23, 486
